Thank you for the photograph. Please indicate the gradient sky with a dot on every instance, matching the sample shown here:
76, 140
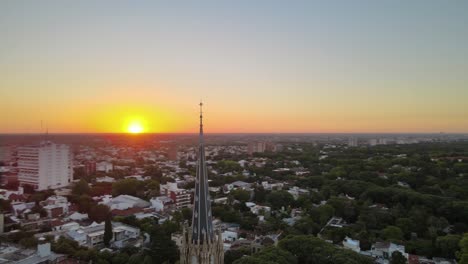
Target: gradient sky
259, 66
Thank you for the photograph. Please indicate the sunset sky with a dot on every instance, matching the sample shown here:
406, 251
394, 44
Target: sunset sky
268, 66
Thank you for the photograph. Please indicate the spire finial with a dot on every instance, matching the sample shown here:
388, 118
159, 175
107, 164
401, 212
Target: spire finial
201, 117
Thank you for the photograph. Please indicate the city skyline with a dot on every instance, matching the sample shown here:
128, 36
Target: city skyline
342, 67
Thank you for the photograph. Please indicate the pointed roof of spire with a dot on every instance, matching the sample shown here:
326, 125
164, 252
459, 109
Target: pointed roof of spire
202, 223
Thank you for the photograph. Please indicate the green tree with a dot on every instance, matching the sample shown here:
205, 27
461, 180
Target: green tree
29, 242
392, 233
448, 245
463, 254
162, 248
127, 186
260, 194
81, 188
187, 214
232, 255
241, 195
225, 166
85, 203
99, 213
269, 255
397, 258
278, 199
120, 258
108, 231
310, 250
405, 225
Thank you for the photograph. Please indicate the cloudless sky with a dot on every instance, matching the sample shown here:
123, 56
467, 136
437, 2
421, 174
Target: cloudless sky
259, 66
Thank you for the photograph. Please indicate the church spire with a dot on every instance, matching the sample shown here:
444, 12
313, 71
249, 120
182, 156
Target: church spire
201, 245
202, 224
201, 122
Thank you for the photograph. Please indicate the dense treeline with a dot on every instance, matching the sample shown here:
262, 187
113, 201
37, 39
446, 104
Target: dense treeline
415, 195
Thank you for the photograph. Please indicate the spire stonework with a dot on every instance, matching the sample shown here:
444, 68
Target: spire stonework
201, 245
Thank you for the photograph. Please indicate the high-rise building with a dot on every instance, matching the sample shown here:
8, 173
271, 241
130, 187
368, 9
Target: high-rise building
45, 166
353, 142
201, 244
6, 153
254, 147
172, 152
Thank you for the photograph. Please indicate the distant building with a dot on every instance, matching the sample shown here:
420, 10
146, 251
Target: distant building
352, 244
105, 179
296, 192
353, 142
90, 168
172, 152
93, 235
11, 253
162, 203
254, 147
45, 166
373, 142
123, 202
386, 249
382, 141
180, 197
6, 153
55, 206
104, 166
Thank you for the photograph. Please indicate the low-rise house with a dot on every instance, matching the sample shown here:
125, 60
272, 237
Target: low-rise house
260, 210
22, 208
105, 179
93, 235
10, 253
272, 186
104, 166
386, 249
17, 198
137, 177
352, 244
296, 192
162, 203
336, 222
221, 200
264, 241
55, 206
230, 236
76, 216
415, 259
123, 202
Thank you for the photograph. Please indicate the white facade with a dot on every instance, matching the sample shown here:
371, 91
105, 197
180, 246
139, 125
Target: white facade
93, 234
352, 244
45, 166
124, 202
104, 166
161, 203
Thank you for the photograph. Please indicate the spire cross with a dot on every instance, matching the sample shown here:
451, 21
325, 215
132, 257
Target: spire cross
201, 118
201, 110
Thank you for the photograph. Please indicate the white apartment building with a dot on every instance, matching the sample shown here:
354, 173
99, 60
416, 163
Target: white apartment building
180, 197
45, 166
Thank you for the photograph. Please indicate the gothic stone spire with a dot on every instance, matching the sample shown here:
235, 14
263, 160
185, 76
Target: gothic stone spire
202, 224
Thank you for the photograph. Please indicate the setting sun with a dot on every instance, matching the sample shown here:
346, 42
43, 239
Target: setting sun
135, 128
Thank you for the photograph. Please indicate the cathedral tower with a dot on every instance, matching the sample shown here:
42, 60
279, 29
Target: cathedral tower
201, 244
